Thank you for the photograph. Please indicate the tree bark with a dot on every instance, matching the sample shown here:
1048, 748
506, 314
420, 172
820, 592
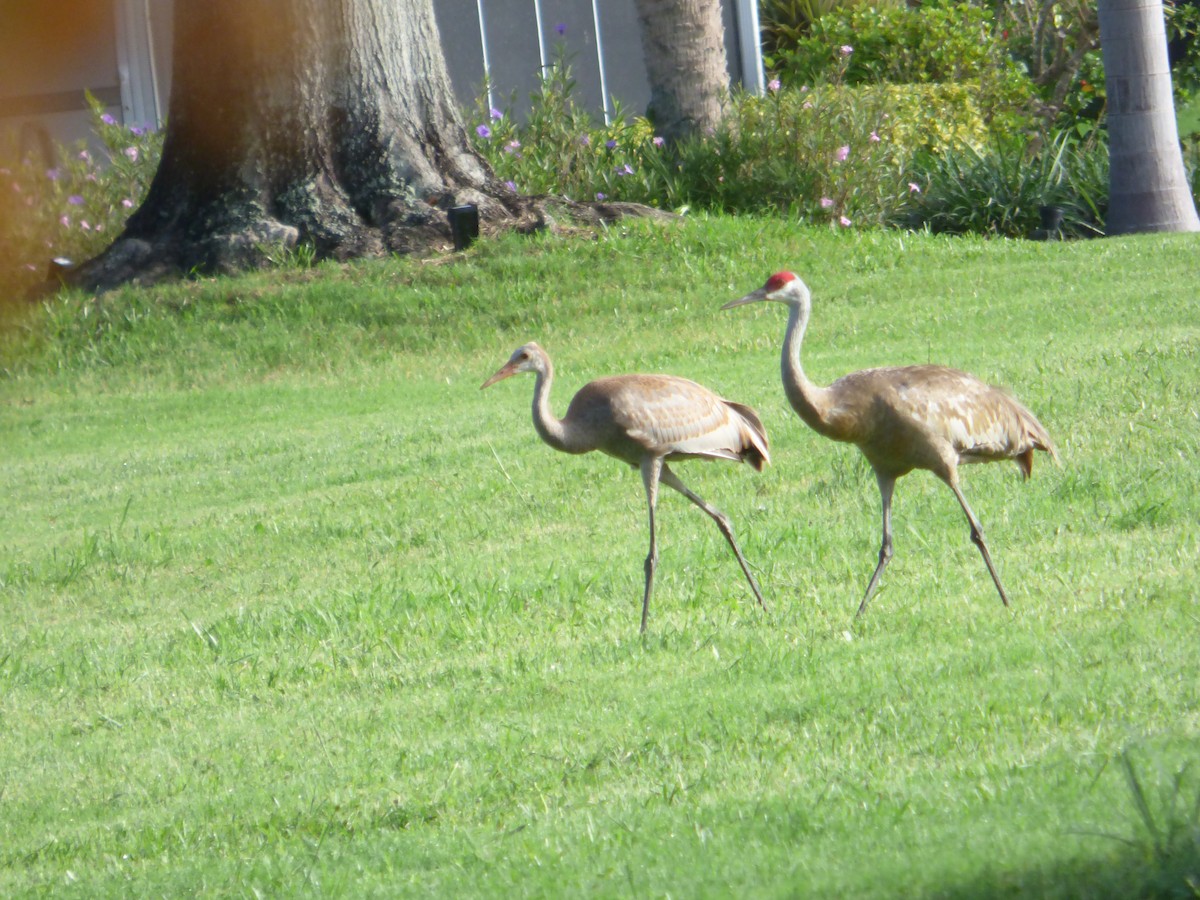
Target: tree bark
325, 122
685, 56
1148, 187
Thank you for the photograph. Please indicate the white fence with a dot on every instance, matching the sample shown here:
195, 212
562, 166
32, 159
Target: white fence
511, 41
120, 51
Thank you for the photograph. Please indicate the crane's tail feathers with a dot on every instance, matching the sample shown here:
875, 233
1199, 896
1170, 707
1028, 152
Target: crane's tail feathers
1038, 438
756, 448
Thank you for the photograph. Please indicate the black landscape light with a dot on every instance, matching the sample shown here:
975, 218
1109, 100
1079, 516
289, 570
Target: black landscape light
464, 225
1052, 222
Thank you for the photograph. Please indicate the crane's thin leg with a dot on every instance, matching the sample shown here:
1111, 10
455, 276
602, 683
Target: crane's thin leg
887, 485
977, 537
652, 470
670, 479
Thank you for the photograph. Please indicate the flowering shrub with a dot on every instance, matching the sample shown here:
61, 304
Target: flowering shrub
560, 150
939, 42
71, 206
831, 153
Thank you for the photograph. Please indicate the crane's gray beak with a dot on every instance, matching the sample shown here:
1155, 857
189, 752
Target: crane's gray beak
505, 371
752, 297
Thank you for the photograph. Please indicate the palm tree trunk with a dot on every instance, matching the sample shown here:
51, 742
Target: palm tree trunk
684, 46
1148, 187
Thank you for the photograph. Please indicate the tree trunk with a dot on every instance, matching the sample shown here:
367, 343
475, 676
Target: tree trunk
683, 42
325, 122
1148, 188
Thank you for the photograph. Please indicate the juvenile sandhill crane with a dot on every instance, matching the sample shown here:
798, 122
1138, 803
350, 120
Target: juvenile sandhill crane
647, 421
904, 418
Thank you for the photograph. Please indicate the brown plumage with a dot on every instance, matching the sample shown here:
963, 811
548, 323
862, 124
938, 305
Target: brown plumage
904, 418
647, 421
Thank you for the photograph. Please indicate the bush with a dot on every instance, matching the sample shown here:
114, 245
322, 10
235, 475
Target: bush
74, 208
560, 150
830, 153
1000, 191
939, 42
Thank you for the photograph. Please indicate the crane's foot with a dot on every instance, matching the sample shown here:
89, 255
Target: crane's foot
885, 556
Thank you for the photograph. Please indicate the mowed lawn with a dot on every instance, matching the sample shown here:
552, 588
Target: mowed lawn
288, 606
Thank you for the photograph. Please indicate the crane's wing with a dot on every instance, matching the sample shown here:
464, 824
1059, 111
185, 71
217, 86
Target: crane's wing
980, 421
670, 417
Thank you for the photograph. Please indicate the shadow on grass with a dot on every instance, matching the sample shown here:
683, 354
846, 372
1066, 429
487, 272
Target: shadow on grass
1125, 873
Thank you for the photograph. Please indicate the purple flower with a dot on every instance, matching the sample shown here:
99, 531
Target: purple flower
561, 28
511, 185
75, 200
914, 188
844, 222
52, 174
483, 131
611, 144
85, 156
874, 138
512, 146
107, 119
83, 223
826, 202
495, 113
137, 130
585, 140
773, 85
64, 221
600, 195
843, 153
127, 203
132, 153
846, 50
658, 141
624, 170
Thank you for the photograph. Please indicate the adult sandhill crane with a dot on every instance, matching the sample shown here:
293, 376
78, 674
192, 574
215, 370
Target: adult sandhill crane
647, 421
904, 418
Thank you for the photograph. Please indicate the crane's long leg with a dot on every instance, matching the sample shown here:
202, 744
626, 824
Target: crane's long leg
887, 486
652, 469
977, 536
670, 479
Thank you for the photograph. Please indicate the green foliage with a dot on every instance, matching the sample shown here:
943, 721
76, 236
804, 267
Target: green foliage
942, 42
785, 22
1058, 44
827, 154
559, 149
289, 607
1000, 190
833, 154
73, 207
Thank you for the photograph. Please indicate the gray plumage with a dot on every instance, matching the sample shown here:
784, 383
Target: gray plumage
647, 421
904, 418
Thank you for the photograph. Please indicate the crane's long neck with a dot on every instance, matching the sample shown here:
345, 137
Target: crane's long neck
550, 428
809, 400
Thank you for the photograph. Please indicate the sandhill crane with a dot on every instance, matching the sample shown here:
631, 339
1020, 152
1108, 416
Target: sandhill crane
904, 418
647, 421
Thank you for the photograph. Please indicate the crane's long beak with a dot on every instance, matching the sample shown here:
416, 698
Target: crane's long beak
752, 297
505, 371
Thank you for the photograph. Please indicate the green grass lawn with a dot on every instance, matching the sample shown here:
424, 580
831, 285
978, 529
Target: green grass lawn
288, 606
